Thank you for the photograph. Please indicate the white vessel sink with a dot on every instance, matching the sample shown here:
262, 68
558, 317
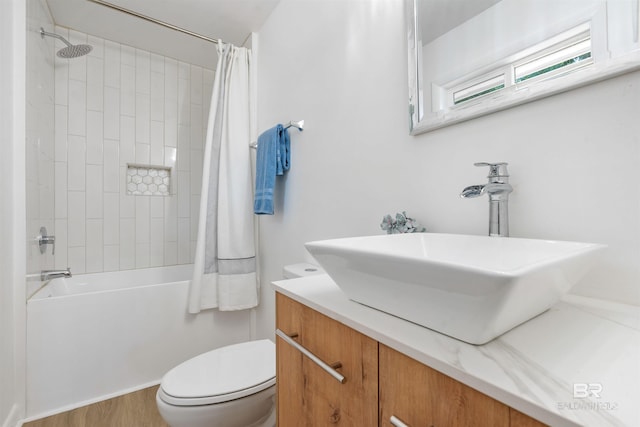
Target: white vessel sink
473, 288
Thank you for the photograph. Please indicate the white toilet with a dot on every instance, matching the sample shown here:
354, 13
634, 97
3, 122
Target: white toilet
232, 386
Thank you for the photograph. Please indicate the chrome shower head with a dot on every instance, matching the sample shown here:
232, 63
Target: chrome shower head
71, 51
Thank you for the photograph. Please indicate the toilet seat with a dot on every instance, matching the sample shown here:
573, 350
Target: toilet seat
221, 375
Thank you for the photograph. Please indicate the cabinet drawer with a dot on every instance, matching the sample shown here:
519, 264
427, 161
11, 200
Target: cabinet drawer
421, 396
307, 395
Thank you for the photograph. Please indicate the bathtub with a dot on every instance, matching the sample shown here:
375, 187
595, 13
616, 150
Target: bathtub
95, 336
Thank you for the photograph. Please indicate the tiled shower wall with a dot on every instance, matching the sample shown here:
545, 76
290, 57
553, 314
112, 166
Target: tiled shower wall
39, 146
122, 105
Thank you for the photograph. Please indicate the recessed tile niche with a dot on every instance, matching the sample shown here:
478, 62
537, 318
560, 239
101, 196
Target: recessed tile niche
148, 180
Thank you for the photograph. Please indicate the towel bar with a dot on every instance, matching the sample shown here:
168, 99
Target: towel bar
298, 125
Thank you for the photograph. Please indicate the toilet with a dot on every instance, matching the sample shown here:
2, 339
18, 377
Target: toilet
232, 386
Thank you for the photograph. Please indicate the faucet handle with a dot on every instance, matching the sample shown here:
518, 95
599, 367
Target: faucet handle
495, 169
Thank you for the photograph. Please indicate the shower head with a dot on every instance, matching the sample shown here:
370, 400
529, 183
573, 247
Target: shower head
71, 51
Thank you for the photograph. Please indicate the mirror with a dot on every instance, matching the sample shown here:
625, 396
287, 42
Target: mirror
468, 58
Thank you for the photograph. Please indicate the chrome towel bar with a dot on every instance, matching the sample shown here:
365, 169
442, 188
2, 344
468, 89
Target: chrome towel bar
298, 125
328, 368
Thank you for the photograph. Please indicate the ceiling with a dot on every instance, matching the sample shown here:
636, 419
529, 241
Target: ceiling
229, 20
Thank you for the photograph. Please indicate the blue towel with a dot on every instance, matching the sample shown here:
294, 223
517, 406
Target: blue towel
273, 158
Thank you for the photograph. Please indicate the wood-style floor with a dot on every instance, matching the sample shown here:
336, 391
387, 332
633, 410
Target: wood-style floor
136, 409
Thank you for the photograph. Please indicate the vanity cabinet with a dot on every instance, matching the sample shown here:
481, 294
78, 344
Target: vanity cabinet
307, 394
380, 382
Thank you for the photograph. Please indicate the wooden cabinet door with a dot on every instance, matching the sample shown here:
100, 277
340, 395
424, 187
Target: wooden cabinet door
306, 394
423, 397
518, 419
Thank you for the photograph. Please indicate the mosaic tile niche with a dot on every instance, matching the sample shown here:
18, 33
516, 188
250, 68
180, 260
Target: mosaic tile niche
146, 180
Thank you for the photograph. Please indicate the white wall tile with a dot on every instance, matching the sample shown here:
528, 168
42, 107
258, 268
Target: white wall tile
143, 153
183, 193
171, 218
184, 70
94, 137
196, 85
62, 83
143, 71
195, 169
184, 137
171, 80
76, 259
60, 133
78, 66
156, 252
127, 140
77, 107
60, 231
156, 139
94, 192
98, 46
142, 219
112, 64
60, 190
94, 261
119, 105
142, 255
157, 63
95, 83
170, 253
76, 163
156, 208
157, 96
184, 99
127, 202
127, 90
171, 124
111, 218
184, 241
170, 156
127, 244
111, 170
111, 112
143, 109
127, 55
111, 258
197, 137
76, 219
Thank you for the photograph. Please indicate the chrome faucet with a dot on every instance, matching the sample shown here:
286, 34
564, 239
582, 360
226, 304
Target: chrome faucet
498, 189
54, 274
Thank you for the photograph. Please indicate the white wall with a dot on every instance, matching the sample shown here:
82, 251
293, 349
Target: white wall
12, 212
341, 66
122, 105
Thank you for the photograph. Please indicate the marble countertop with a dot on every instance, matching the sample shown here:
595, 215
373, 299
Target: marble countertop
577, 364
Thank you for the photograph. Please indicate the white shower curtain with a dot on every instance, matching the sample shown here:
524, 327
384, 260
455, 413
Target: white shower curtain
225, 260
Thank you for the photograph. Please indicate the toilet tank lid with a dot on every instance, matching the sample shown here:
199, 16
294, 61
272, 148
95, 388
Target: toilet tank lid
222, 374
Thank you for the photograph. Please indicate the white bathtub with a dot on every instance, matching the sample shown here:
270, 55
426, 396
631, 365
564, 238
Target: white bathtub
95, 336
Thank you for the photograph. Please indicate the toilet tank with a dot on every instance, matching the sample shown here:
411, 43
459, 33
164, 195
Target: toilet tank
302, 269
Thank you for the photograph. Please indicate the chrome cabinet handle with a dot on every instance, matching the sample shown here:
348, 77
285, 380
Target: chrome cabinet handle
395, 421
328, 368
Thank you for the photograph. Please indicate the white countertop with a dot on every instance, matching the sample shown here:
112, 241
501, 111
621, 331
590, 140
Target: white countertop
590, 345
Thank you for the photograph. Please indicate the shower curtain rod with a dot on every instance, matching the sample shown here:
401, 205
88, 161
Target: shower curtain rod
154, 20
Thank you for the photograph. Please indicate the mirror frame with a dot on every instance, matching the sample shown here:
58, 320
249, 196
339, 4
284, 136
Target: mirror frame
419, 122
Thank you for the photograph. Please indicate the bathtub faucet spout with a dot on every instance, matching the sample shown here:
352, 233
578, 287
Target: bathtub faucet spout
53, 274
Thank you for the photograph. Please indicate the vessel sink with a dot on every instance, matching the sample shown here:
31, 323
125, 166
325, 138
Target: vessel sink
473, 288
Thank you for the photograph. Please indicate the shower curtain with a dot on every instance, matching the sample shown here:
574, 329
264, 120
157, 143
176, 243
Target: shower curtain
224, 274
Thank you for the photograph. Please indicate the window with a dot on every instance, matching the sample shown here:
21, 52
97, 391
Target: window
559, 55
